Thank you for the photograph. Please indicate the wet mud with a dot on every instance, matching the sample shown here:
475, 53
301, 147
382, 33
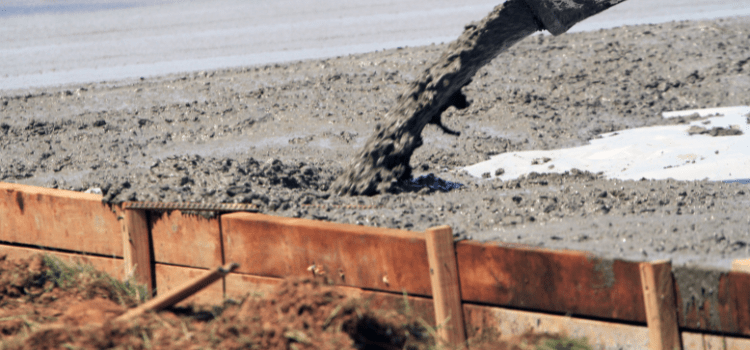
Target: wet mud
280, 135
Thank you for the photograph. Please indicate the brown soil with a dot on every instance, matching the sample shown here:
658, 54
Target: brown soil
43, 309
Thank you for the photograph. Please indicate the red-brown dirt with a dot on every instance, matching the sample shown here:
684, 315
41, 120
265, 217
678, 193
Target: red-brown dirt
45, 304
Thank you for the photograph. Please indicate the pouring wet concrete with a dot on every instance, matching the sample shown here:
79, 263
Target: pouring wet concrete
278, 136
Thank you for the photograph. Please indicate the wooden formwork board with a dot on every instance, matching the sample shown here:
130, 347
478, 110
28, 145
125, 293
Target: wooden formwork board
725, 308
238, 285
512, 323
58, 219
169, 277
241, 285
352, 255
363, 257
734, 297
115, 267
566, 282
600, 334
713, 342
189, 240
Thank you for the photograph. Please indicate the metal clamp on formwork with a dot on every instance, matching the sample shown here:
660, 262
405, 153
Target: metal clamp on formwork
192, 206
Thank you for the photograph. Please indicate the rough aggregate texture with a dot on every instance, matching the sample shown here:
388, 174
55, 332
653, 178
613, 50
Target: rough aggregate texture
279, 135
384, 160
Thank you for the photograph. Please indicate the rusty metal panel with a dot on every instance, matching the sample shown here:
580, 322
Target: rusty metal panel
115, 267
188, 240
357, 256
567, 282
58, 219
170, 277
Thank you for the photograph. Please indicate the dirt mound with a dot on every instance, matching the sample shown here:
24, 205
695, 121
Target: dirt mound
47, 304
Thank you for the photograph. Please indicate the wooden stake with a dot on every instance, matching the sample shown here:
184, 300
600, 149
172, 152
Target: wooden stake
137, 247
180, 293
741, 265
446, 293
660, 302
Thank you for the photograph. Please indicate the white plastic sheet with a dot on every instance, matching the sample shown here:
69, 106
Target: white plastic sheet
659, 152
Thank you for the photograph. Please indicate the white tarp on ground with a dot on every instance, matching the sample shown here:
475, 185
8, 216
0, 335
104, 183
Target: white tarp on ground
658, 152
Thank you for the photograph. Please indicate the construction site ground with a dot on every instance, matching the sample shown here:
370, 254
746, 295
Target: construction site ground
278, 135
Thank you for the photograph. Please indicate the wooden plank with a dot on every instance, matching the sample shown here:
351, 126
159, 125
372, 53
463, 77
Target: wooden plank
188, 240
240, 285
446, 293
741, 265
695, 341
188, 288
713, 342
58, 219
692, 341
556, 281
507, 323
734, 300
169, 277
115, 267
357, 256
137, 247
733, 343
659, 300
716, 301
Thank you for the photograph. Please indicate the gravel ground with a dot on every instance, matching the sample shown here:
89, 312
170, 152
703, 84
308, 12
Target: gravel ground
278, 136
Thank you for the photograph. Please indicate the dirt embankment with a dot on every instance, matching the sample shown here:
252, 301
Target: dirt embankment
279, 135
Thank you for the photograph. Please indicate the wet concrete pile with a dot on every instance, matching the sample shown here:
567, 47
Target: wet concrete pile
280, 135
384, 161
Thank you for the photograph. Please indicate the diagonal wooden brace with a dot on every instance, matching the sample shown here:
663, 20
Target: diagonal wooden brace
180, 293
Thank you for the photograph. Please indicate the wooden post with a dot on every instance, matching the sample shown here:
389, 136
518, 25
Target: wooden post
446, 293
137, 247
741, 265
660, 302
